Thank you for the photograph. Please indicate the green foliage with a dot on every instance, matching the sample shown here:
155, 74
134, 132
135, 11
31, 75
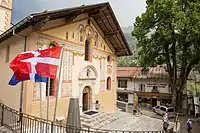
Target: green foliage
169, 33
129, 61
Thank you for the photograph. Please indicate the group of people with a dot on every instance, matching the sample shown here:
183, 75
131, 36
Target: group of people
166, 123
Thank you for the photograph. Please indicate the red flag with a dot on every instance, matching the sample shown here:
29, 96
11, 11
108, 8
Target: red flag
42, 62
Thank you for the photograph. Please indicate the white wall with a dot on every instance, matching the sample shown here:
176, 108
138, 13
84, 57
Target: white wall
163, 85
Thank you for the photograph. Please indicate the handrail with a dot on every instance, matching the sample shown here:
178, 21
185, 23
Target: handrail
35, 124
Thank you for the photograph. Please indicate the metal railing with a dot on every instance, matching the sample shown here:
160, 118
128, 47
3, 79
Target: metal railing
24, 123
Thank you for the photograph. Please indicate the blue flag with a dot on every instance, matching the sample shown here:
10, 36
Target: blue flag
14, 81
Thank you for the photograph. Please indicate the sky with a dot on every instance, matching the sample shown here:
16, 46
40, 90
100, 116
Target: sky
125, 10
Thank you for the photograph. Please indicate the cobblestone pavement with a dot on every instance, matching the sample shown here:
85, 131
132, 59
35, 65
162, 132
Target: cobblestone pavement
129, 122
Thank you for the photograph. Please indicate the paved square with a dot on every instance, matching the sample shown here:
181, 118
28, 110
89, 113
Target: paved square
129, 122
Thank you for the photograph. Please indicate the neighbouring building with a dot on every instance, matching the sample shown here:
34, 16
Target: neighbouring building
92, 38
148, 87
5, 15
151, 86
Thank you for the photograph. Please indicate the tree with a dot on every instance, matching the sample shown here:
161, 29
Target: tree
169, 33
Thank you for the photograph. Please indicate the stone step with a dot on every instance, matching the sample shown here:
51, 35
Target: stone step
99, 121
92, 122
91, 116
94, 118
106, 122
85, 116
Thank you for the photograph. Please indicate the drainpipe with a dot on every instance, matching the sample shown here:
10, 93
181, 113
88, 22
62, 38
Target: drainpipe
22, 84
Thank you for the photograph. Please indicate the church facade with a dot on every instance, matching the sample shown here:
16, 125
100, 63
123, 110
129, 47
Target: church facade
92, 40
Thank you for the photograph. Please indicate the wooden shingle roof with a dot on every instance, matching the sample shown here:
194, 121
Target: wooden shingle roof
102, 13
158, 72
136, 72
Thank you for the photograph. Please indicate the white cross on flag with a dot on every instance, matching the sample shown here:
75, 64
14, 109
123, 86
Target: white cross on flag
45, 63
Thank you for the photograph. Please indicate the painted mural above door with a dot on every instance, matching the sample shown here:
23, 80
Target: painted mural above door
44, 41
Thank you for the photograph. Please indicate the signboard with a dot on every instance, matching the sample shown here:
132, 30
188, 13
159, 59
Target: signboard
158, 85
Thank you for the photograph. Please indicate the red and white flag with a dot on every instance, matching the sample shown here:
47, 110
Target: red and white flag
45, 63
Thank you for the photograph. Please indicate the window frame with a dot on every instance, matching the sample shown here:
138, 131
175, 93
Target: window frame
52, 87
122, 83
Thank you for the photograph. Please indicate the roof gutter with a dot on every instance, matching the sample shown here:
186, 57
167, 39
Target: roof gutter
19, 24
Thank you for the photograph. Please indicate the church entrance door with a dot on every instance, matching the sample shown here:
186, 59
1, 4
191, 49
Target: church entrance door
87, 95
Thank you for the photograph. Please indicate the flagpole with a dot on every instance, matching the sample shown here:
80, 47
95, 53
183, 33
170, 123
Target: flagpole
41, 100
58, 85
48, 91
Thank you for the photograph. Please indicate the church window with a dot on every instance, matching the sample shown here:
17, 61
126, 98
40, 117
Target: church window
73, 35
50, 84
87, 51
96, 39
81, 33
66, 35
108, 58
108, 83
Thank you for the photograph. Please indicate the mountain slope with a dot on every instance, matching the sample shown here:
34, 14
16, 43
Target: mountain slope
127, 61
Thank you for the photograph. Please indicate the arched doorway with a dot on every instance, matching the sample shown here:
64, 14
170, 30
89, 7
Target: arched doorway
87, 96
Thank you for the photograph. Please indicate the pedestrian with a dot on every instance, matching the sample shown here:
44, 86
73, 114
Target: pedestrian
97, 105
165, 125
189, 126
165, 121
196, 110
166, 116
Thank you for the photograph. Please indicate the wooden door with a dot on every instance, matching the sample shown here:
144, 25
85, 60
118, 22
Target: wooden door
85, 101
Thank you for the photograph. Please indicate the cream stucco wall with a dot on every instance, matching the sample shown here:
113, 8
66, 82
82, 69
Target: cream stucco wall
9, 95
74, 67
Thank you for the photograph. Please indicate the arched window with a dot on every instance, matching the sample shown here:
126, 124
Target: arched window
81, 33
108, 83
66, 35
87, 50
108, 58
96, 39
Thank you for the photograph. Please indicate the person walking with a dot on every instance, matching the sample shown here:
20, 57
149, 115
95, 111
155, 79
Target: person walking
189, 125
165, 121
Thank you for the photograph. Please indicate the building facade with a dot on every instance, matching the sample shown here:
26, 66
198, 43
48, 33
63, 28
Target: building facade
149, 87
5, 15
89, 70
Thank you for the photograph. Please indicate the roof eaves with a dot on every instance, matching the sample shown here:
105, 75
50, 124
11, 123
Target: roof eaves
16, 26
121, 32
